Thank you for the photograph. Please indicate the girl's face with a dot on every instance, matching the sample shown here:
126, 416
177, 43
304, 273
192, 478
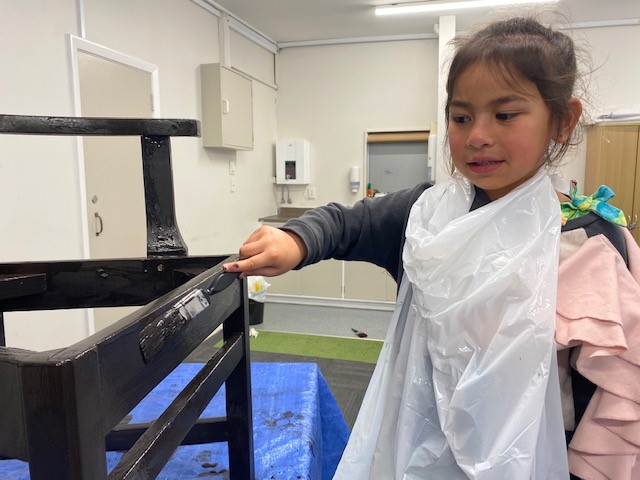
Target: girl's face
498, 134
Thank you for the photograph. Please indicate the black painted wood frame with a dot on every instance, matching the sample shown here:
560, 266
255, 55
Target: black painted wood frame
61, 410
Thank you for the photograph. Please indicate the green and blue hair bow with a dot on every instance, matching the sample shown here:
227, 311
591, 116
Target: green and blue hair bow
581, 205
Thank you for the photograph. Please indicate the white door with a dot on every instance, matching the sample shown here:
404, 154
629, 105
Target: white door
113, 165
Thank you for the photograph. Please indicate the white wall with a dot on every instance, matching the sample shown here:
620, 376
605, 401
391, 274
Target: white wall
41, 217
615, 70
331, 95
40, 213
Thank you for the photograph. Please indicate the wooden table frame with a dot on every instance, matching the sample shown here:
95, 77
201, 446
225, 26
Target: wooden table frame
61, 410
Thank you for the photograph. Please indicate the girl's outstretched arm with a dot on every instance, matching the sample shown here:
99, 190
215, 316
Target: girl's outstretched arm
268, 251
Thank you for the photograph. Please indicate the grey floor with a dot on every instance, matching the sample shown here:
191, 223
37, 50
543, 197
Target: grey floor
283, 317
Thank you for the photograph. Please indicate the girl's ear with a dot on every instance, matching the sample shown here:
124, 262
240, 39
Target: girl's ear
570, 121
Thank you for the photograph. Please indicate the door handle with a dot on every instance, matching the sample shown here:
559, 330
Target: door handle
99, 224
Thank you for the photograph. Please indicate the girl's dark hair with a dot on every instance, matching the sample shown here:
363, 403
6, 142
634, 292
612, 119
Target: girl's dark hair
523, 48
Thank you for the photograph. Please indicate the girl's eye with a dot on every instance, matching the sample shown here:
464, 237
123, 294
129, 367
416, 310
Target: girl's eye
460, 119
506, 116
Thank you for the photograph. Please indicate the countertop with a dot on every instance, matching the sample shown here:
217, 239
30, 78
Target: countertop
284, 214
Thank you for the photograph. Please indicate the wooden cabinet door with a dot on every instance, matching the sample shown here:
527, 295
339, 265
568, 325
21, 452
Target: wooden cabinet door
611, 160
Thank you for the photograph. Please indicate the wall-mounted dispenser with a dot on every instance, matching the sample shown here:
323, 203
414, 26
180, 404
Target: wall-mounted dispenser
292, 162
354, 179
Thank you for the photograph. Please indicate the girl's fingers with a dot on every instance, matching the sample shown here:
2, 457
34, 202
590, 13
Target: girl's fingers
256, 243
256, 265
255, 236
268, 251
245, 265
250, 249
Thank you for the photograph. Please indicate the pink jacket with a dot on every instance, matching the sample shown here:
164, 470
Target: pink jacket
599, 308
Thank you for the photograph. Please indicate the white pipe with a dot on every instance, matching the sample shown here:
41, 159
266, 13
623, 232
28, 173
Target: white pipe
619, 119
431, 7
80, 18
208, 7
341, 41
252, 35
424, 36
622, 22
239, 25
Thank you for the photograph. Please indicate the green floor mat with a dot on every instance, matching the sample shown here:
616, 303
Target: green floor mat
353, 349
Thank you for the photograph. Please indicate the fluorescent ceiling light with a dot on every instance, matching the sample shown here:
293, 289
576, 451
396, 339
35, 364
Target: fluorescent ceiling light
420, 7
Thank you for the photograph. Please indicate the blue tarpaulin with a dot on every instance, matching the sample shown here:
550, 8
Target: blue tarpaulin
298, 429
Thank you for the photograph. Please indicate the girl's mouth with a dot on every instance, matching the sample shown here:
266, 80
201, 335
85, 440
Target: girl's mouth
484, 166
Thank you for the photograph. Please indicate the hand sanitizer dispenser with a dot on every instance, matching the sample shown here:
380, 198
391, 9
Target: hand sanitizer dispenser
292, 162
354, 179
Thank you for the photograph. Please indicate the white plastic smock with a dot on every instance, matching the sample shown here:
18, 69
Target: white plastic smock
466, 385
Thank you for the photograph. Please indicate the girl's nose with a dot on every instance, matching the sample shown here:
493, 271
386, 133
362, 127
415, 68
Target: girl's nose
479, 135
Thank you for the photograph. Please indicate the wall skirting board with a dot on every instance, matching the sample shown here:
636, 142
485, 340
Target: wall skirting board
330, 302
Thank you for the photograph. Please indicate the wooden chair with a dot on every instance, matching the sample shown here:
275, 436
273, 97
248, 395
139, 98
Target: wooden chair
61, 410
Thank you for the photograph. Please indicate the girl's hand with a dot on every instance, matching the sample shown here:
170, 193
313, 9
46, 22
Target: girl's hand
268, 251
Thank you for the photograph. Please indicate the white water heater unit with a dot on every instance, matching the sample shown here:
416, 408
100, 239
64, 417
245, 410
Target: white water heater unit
292, 162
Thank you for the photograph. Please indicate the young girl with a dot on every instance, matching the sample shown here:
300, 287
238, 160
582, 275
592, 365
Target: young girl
470, 383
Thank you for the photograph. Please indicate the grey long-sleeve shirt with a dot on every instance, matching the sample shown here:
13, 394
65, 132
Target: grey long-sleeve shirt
373, 230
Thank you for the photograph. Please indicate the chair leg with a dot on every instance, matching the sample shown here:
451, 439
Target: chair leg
238, 399
3, 342
63, 420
